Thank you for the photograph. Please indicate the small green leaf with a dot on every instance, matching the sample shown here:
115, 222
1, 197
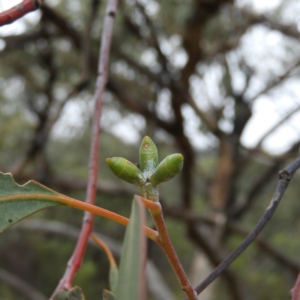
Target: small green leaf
20, 201
148, 156
126, 170
74, 294
131, 282
167, 169
108, 295
113, 277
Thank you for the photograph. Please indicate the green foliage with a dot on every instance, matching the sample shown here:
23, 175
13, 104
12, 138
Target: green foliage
113, 277
131, 280
18, 202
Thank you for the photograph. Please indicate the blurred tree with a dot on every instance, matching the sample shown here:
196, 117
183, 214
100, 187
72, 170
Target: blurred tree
191, 74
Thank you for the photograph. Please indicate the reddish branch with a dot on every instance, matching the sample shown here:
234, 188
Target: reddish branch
18, 11
76, 259
295, 292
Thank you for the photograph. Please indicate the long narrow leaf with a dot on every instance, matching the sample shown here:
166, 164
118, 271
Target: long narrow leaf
131, 281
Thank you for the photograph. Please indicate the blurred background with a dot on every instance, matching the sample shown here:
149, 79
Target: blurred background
215, 80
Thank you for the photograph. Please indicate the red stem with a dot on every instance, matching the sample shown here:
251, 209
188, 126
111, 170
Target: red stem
18, 11
295, 292
164, 241
167, 246
77, 257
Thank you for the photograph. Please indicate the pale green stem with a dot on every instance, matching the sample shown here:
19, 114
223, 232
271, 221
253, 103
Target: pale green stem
150, 192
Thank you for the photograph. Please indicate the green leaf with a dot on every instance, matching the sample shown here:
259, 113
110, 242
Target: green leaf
74, 294
148, 156
113, 277
131, 282
108, 295
126, 170
167, 169
20, 201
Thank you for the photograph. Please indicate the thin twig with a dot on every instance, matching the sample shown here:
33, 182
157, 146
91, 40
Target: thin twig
289, 30
277, 125
18, 11
284, 178
277, 81
106, 250
276, 162
76, 259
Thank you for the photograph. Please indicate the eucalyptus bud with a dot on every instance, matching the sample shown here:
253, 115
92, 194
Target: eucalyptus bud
126, 170
148, 156
167, 169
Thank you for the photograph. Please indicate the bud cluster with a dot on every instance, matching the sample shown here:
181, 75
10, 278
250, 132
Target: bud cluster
151, 173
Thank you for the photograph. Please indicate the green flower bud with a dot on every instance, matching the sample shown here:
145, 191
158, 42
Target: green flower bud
167, 169
126, 170
148, 156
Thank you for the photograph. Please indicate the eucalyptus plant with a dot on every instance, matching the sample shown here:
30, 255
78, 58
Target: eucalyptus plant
128, 281
148, 175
